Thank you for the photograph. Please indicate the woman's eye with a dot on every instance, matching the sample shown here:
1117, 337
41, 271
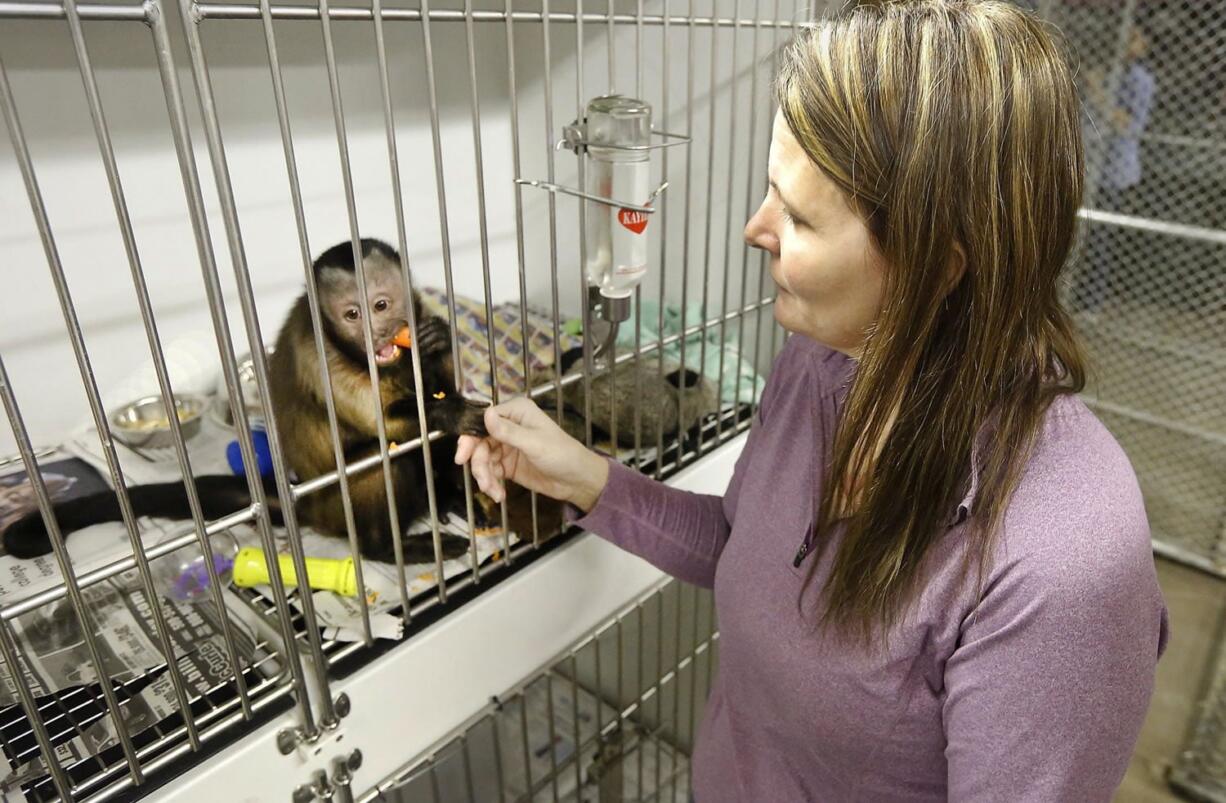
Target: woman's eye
380, 305
351, 314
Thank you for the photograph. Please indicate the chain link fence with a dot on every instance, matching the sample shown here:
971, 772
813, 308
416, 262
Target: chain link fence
1148, 286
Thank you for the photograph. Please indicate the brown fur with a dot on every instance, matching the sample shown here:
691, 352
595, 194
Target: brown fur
298, 399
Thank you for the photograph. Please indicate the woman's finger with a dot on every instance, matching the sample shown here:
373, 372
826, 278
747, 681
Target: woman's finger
481, 465
464, 449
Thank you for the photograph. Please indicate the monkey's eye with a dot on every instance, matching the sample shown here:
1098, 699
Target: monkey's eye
381, 305
351, 314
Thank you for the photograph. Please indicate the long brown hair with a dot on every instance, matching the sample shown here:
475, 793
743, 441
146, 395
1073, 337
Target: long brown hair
953, 128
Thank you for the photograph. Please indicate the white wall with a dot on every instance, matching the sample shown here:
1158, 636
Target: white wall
43, 73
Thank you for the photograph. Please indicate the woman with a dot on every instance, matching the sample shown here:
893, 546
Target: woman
932, 567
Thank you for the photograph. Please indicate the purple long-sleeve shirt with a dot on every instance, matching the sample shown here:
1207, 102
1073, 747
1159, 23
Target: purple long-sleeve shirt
1032, 689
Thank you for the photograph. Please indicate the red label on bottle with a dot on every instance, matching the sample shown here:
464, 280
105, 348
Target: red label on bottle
635, 221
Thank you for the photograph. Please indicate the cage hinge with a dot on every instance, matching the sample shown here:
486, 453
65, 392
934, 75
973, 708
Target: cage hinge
289, 739
338, 786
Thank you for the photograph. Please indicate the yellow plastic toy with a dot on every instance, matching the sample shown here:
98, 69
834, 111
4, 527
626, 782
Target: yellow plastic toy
183, 575
330, 574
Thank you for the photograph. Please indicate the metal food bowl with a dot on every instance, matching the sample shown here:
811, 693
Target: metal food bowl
143, 423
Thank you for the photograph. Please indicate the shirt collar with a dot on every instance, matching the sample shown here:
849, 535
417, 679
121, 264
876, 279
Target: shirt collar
963, 511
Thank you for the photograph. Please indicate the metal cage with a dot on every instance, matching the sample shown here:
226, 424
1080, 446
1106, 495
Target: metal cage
314, 68
1148, 287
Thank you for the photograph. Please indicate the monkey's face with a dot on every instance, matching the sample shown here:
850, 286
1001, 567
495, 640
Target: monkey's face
341, 304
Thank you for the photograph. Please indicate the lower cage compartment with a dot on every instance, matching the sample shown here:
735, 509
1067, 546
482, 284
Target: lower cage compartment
611, 719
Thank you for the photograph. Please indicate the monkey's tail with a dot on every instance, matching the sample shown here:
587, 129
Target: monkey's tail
220, 495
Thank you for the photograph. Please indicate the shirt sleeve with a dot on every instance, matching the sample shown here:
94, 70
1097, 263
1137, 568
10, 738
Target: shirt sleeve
1048, 688
679, 532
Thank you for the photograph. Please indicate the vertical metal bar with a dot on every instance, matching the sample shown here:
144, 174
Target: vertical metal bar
749, 193
483, 231
468, 769
706, 258
676, 688
393, 159
359, 263
694, 680
38, 208
586, 308
612, 355
212, 284
638, 51
445, 234
44, 499
599, 686
775, 327
612, 358
498, 779
8, 647
723, 307
685, 227
763, 257
513, 90
621, 657
638, 693
665, 80
553, 734
106, 150
757, 336
659, 682
638, 290
551, 170
304, 247
574, 704
523, 733
435, 793
612, 45
638, 378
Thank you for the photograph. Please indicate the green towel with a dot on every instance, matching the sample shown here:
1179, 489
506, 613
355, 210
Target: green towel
745, 387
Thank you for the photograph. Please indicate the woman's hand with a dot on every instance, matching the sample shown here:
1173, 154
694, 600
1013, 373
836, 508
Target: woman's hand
527, 447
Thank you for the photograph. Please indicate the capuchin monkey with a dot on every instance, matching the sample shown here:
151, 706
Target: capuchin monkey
297, 397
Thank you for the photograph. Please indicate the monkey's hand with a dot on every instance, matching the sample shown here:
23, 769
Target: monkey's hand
456, 415
433, 337
527, 447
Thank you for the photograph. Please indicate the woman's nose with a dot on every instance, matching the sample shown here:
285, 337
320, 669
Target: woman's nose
759, 233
